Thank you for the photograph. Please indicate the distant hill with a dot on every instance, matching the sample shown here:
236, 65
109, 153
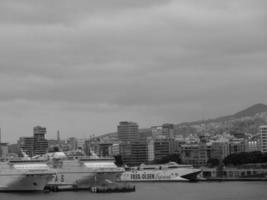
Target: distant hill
248, 112
237, 123
251, 111
246, 121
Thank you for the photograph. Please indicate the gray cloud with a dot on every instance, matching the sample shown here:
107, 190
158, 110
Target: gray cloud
94, 63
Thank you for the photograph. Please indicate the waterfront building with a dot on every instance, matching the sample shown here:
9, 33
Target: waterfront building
115, 149
134, 153
150, 150
236, 146
13, 148
105, 150
40, 143
252, 144
127, 131
26, 144
194, 154
3, 151
36, 145
219, 149
263, 138
164, 147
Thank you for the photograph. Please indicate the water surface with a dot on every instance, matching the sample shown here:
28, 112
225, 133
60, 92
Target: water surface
162, 191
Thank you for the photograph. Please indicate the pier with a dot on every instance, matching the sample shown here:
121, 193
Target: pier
104, 188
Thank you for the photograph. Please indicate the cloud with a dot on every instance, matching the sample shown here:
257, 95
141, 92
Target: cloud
151, 60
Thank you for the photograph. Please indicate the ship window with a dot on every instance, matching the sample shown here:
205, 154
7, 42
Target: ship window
34, 183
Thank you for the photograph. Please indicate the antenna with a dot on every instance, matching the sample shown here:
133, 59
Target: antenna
0, 136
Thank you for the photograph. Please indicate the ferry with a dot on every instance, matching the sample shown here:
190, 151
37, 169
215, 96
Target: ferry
22, 175
170, 172
82, 173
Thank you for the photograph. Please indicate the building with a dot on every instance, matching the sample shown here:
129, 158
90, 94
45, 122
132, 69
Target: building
150, 150
127, 131
194, 154
36, 145
26, 144
135, 153
252, 144
115, 149
163, 147
168, 131
236, 146
156, 132
105, 149
3, 151
72, 143
219, 149
263, 138
40, 143
80, 143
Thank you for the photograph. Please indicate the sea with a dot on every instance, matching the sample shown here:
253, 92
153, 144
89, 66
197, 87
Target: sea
161, 191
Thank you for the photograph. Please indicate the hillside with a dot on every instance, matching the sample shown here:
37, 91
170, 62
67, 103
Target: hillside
246, 120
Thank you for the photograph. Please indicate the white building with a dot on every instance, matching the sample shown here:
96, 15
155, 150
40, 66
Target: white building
263, 138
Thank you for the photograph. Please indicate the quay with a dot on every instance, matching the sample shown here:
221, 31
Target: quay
104, 188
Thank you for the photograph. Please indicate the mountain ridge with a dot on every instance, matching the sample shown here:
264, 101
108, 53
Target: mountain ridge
247, 112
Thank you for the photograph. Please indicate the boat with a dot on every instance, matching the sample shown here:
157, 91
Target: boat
170, 172
82, 173
22, 175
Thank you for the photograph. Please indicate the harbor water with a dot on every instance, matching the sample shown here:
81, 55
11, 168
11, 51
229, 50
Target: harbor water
162, 191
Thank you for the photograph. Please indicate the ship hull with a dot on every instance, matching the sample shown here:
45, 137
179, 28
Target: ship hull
169, 175
83, 179
23, 182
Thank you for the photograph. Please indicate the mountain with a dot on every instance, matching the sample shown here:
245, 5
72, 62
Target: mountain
246, 121
251, 111
248, 112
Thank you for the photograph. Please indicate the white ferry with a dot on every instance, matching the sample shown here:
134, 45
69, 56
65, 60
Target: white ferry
83, 173
22, 175
165, 172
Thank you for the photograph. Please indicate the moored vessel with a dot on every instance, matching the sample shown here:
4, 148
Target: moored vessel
82, 173
169, 172
22, 176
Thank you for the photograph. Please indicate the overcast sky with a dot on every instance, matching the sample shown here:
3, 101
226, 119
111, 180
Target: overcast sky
83, 66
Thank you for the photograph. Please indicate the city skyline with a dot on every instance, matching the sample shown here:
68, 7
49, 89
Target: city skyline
81, 67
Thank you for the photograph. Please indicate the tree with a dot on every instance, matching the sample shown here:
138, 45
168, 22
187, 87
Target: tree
118, 160
213, 162
245, 158
169, 158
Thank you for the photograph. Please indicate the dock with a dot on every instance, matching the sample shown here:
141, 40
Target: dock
104, 188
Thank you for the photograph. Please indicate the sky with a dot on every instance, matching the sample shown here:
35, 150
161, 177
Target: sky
82, 66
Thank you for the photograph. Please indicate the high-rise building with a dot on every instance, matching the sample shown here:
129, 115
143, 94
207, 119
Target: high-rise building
168, 130
263, 138
40, 143
128, 131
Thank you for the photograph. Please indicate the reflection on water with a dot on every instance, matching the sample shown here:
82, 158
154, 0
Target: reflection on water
163, 191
